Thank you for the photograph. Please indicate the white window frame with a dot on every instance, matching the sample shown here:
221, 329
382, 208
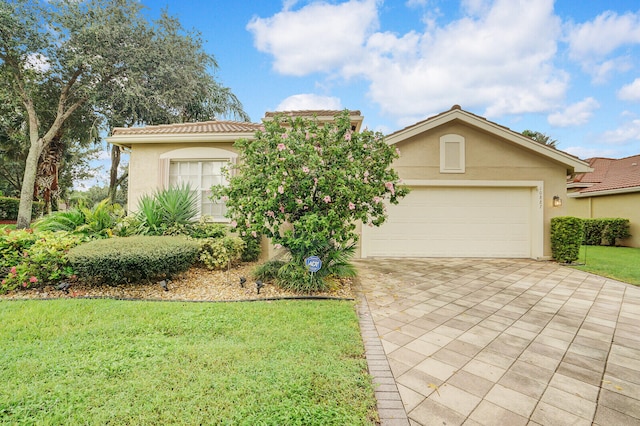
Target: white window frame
452, 154
200, 156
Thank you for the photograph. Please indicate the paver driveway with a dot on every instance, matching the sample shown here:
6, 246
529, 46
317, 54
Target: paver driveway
500, 342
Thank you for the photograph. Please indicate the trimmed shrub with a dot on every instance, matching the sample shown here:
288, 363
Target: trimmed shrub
252, 249
9, 208
42, 258
201, 229
566, 235
218, 253
131, 259
605, 231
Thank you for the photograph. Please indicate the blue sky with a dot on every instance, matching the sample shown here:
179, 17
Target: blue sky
568, 69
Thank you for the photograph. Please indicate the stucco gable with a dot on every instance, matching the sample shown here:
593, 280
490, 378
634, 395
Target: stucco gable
573, 164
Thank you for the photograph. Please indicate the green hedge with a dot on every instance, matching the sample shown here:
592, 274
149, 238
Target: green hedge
566, 237
131, 259
9, 208
605, 231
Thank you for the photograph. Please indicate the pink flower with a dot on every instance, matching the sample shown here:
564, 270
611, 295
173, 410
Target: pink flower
299, 201
281, 209
254, 234
281, 189
364, 146
315, 180
366, 173
305, 169
4, 282
307, 136
234, 223
225, 198
352, 206
347, 136
278, 246
326, 199
33, 279
284, 135
398, 151
270, 213
377, 199
24, 284
389, 186
13, 270
281, 147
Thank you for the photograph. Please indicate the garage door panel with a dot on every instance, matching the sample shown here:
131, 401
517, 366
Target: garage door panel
455, 222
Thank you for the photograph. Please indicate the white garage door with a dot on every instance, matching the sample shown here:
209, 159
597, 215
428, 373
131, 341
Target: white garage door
455, 222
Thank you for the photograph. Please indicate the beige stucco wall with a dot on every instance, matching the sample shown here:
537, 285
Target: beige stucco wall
626, 206
144, 166
487, 158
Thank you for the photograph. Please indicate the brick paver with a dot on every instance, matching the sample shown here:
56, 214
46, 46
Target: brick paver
499, 341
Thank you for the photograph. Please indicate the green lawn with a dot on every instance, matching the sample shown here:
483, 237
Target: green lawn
150, 363
620, 263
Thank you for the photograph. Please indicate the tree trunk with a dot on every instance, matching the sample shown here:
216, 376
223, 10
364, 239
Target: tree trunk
28, 182
113, 175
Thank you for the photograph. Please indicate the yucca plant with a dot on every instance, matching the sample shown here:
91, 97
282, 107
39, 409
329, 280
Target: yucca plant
167, 208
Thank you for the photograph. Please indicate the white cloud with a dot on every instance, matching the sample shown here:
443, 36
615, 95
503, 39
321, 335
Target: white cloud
629, 131
591, 43
574, 115
630, 92
486, 59
585, 152
37, 62
316, 38
306, 101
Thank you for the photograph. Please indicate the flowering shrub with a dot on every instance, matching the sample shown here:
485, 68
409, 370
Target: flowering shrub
43, 259
306, 185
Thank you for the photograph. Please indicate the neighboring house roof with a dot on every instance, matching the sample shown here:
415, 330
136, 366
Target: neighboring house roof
456, 113
206, 131
609, 176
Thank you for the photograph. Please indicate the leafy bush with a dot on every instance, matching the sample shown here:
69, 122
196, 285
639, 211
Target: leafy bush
268, 271
166, 208
593, 229
605, 231
41, 260
13, 246
9, 208
305, 184
200, 229
131, 259
566, 235
218, 253
252, 249
96, 222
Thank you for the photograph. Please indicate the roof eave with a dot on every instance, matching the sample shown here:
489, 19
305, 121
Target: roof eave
573, 164
129, 140
604, 192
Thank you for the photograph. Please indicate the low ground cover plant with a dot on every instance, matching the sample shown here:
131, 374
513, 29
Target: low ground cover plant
29, 259
162, 363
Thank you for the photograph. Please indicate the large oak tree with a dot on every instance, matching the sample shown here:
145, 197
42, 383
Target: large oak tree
106, 55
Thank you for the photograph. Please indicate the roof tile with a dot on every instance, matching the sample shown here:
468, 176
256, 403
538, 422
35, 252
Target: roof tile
611, 174
190, 128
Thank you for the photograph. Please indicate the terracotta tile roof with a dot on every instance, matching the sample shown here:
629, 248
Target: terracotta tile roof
310, 113
610, 174
190, 128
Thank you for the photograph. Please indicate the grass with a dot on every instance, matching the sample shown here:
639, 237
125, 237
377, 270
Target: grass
619, 263
148, 363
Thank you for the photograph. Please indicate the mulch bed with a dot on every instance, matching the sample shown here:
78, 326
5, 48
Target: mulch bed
197, 284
